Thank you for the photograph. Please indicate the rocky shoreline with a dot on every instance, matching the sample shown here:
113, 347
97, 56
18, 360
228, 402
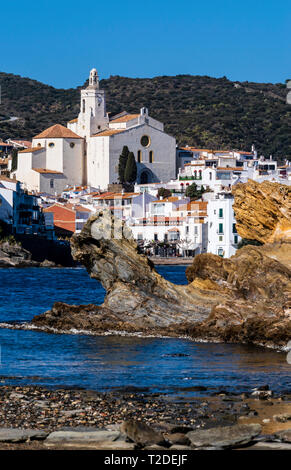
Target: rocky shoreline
33, 417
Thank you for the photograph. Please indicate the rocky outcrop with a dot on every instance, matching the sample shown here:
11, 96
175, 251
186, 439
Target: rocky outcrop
242, 299
12, 255
257, 304
263, 211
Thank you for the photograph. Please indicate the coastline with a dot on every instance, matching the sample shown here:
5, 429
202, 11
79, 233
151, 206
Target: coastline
63, 410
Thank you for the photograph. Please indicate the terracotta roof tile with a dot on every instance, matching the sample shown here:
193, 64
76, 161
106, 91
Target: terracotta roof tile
46, 171
57, 131
108, 132
31, 150
73, 120
126, 118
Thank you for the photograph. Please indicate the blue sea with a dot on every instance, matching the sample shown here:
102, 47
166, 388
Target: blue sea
168, 366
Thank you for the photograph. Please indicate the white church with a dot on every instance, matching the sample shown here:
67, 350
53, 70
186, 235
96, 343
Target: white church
87, 151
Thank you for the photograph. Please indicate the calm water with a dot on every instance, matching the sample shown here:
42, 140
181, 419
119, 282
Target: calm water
170, 366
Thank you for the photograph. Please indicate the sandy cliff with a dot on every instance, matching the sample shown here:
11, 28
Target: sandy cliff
263, 211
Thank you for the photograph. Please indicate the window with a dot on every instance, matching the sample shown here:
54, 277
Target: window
51, 183
174, 236
139, 236
83, 106
156, 237
220, 238
195, 230
220, 229
139, 159
210, 176
51, 144
145, 141
220, 214
165, 237
151, 159
72, 145
235, 239
234, 228
220, 252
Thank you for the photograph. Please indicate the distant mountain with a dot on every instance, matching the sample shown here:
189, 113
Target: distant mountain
198, 110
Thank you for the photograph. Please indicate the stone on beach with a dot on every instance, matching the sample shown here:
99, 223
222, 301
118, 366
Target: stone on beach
83, 436
142, 434
224, 436
21, 435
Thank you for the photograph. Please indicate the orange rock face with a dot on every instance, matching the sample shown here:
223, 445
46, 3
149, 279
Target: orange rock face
263, 211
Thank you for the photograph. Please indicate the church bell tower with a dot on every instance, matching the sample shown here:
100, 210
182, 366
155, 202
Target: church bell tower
92, 117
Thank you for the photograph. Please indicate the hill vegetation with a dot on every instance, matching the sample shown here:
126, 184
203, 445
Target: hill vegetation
198, 110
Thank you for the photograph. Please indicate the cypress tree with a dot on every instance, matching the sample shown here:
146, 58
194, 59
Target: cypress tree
122, 164
130, 173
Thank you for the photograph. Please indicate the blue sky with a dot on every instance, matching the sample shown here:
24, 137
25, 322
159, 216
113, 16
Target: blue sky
57, 42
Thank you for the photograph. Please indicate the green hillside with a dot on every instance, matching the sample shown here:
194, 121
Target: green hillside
197, 110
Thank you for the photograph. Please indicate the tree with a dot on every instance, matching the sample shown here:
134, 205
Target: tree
193, 192
122, 164
164, 192
130, 172
14, 159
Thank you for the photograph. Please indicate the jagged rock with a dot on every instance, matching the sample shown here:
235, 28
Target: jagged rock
142, 434
224, 436
242, 299
12, 255
263, 211
284, 436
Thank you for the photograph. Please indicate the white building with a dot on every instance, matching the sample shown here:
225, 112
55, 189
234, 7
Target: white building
154, 150
21, 212
88, 150
222, 235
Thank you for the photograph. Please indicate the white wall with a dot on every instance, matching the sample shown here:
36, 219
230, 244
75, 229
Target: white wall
223, 243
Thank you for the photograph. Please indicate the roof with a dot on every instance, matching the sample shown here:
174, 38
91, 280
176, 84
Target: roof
57, 132
46, 171
108, 132
77, 207
5, 178
236, 168
193, 149
116, 195
126, 118
192, 206
69, 207
4, 144
22, 143
31, 150
167, 199
73, 120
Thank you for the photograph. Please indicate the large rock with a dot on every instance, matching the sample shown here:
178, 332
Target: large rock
142, 434
21, 435
82, 436
242, 299
224, 436
263, 211
12, 255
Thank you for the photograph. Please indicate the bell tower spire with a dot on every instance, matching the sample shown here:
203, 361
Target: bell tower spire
92, 117
93, 79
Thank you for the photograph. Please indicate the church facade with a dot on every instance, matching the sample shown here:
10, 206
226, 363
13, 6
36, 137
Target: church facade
87, 151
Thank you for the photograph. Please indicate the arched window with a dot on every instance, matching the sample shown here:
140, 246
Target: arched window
151, 156
139, 159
